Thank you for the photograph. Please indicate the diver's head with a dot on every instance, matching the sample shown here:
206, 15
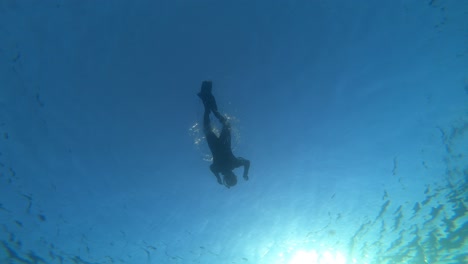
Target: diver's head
230, 179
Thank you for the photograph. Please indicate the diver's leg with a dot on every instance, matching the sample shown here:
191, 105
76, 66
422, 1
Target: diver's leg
208, 131
225, 136
209, 101
206, 120
220, 117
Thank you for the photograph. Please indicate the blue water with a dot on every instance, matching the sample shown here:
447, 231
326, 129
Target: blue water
354, 115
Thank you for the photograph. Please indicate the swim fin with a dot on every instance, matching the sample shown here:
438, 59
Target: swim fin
207, 97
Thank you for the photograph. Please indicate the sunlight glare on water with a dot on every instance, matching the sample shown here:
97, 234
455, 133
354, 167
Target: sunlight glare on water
313, 257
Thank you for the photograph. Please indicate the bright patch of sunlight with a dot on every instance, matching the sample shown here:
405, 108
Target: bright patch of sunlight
313, 257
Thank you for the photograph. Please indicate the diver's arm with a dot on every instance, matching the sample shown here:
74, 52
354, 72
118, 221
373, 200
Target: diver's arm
246, 164
216, 173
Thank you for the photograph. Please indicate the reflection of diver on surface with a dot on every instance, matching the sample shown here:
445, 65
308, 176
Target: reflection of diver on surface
223, 159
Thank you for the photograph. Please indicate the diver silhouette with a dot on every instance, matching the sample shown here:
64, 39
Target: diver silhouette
224, 161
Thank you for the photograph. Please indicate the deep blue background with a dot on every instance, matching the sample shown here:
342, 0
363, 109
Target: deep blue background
339, 105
